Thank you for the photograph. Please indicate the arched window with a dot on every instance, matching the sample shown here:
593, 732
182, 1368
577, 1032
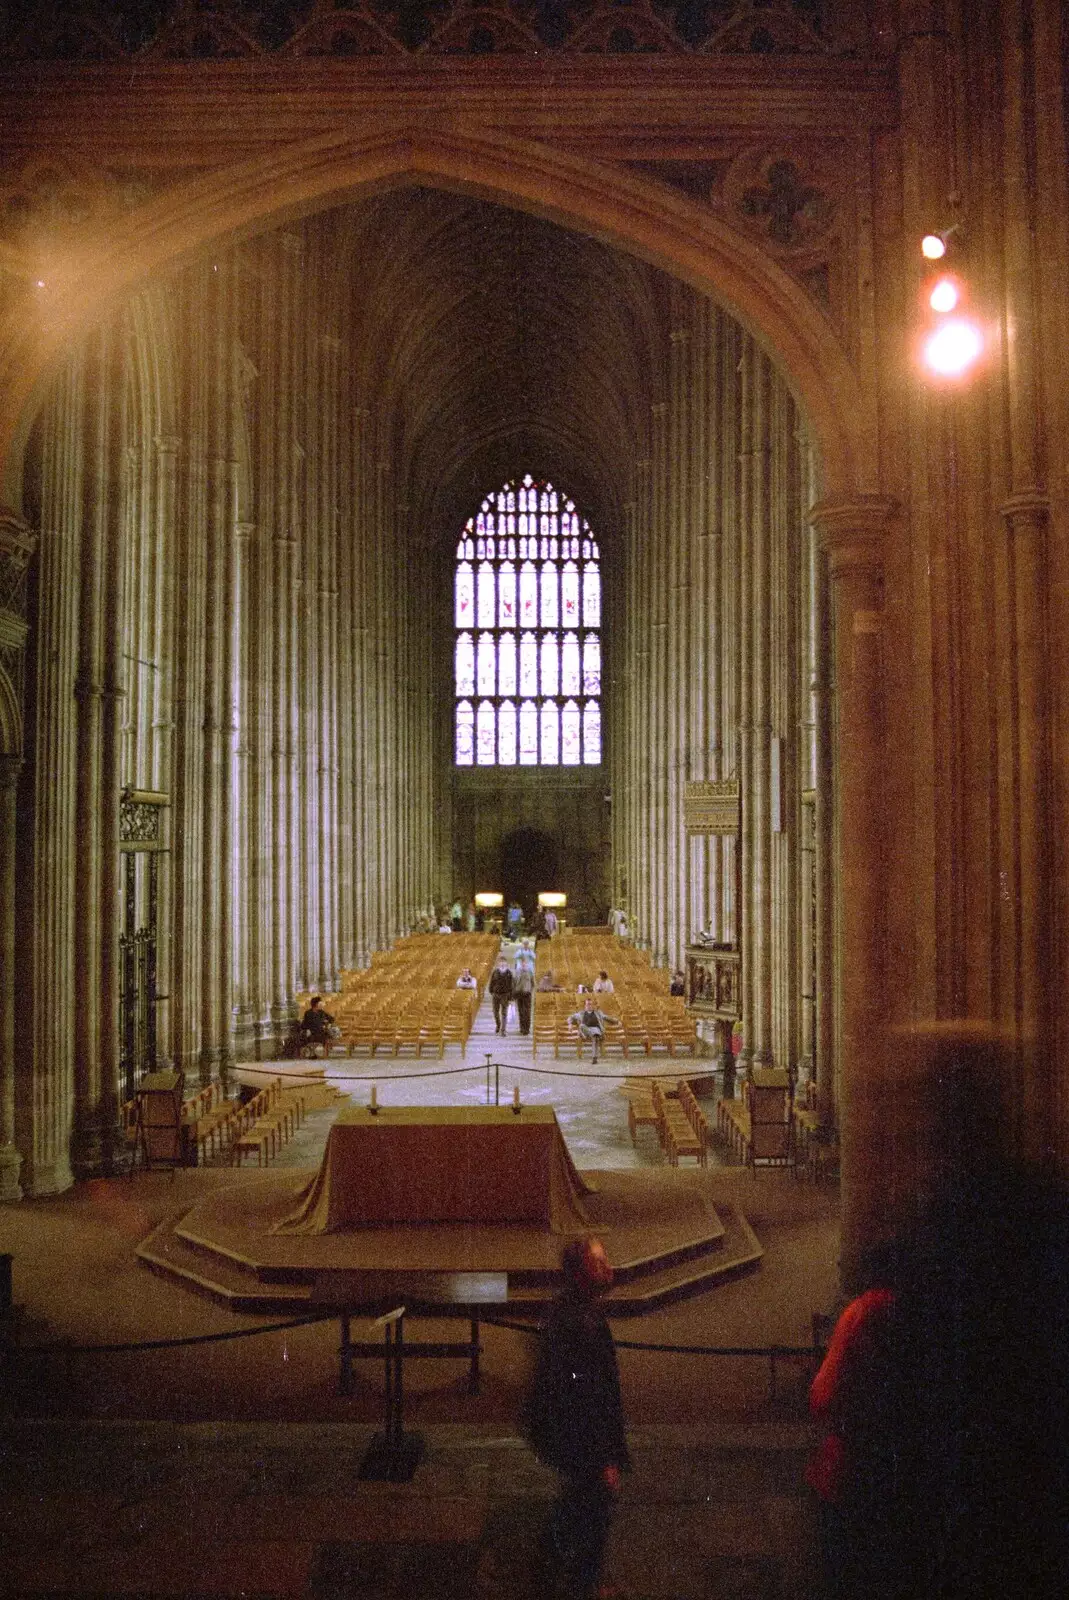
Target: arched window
527, 593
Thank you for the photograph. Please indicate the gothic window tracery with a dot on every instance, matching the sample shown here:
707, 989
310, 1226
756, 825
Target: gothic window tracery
527, 611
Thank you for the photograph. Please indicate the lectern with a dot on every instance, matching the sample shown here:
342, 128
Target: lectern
159, 1120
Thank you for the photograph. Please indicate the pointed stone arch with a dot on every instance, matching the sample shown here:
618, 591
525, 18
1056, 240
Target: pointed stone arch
668, 230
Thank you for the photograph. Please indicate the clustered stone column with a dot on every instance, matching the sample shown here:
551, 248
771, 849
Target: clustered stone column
231, 613
853, 535
712, 672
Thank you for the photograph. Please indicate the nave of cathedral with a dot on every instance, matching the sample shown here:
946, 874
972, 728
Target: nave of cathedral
292, 295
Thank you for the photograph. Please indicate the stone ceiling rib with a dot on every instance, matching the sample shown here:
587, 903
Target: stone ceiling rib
495, 334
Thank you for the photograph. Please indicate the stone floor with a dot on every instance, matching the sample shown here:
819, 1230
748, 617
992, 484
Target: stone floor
269, 1511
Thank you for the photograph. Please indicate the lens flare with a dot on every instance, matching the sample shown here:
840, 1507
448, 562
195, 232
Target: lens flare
944, 295
952, 348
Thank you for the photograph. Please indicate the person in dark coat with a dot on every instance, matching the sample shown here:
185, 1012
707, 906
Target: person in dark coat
316, 1025
573, 1416
500, 987
522, 992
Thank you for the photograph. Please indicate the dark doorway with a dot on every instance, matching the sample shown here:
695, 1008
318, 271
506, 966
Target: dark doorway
529, 863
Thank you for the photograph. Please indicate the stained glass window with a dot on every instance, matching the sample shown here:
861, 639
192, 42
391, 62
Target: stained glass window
591, 665
487, 663
506, 734
528, 734
550, 675
569, 734
591, 733
465, 734
506, 664
465, 664
550, 733
465, 592
528, 664
527, 603
484, 734
506, 596
486, 617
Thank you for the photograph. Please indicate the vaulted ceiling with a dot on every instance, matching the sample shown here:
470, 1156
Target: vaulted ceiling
503, 341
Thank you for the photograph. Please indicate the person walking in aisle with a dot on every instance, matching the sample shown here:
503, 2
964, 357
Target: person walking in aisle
500, 987
522, 990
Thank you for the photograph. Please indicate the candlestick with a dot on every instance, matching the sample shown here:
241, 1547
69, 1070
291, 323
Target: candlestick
373, 1103
516, 1097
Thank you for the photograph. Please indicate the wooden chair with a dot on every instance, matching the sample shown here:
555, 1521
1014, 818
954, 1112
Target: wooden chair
768, 1096
733, 1123
641, 1111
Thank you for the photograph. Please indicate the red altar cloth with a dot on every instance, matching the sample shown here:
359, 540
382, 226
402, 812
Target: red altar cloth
420, 1164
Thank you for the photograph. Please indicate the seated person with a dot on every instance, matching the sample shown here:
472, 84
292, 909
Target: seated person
678, 984
316, 1025
467, 980
591, 1024
547, 984
603, 984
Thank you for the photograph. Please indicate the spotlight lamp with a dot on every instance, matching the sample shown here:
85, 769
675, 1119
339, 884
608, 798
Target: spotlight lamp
951, 340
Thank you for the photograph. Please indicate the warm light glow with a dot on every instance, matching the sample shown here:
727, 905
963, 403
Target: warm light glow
933, 247
944, 295
489, 902
953, 348
550, 897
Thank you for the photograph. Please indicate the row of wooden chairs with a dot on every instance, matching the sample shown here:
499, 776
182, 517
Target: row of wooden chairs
407, 1000
672, 1110
431, 1023
681, 1124
265, 1123
631, 1030
213, 1125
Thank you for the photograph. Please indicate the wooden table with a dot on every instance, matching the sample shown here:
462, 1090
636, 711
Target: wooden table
377, 1294
442, 1164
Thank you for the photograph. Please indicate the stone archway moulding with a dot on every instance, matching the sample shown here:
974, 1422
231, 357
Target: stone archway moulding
622, 210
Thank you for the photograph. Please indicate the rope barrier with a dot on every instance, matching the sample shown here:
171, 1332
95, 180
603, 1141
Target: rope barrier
172, 1344
770, 1351
445, 1072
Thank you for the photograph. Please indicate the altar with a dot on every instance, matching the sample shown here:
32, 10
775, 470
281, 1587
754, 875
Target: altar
442, 1164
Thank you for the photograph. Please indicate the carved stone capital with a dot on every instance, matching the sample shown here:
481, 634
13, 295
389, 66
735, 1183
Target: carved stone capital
853, 534
1027, 511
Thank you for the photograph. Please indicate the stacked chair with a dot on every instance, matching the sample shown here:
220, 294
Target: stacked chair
681, 1124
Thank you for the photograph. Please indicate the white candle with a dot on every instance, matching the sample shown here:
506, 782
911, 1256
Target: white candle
515, 1096
374, 1096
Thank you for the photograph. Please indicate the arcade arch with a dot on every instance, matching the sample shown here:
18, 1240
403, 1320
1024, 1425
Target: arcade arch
290, 931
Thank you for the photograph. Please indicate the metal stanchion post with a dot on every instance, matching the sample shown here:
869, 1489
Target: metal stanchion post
393, 1456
